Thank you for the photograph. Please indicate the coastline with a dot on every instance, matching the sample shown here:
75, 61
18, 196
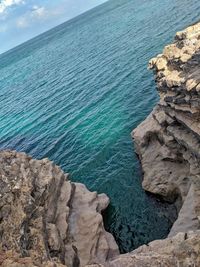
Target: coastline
167, 143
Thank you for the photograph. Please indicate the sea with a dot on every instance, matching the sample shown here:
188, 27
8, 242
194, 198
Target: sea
75, 93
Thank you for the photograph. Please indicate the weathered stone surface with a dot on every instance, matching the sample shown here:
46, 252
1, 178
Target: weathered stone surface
168, 141
182, 250
46, 219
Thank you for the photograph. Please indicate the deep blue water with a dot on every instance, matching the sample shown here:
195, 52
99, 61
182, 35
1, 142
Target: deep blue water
75, 93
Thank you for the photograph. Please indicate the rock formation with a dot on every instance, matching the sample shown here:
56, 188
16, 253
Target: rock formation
168, 141
48, 221
182, 250
45, 220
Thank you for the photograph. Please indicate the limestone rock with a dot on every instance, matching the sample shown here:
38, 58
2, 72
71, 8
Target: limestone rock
168, 141
181, 250
46, 219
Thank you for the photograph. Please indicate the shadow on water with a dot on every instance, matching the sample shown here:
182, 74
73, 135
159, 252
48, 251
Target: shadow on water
128, 231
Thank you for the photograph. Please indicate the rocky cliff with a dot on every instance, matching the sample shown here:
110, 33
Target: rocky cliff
168, 141
46, 220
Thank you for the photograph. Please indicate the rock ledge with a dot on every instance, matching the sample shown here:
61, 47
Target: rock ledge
46, 220
168, 141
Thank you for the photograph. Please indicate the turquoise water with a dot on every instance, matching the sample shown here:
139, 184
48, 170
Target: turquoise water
75, 93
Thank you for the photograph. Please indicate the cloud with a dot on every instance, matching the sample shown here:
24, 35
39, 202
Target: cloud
8, 3
38, 11
37, 14
22, 22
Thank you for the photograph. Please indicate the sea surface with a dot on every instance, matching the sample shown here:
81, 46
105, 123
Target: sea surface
75, 93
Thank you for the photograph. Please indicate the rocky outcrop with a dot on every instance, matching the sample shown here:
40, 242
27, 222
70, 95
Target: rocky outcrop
182, 250
168, 141
46, 220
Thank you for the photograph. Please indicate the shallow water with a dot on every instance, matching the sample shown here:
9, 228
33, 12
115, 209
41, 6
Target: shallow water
75, 93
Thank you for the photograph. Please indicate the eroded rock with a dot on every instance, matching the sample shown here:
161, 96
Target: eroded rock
168, 141
181, 250
46, 219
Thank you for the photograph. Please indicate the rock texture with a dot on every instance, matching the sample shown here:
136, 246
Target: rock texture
183, 250
168, 141
45, 220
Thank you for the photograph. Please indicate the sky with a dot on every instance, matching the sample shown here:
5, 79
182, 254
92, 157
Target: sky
21, 20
